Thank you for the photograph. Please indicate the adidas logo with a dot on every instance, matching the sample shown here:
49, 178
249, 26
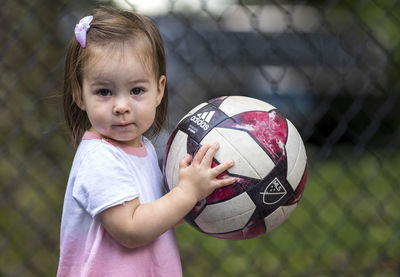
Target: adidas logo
203, 119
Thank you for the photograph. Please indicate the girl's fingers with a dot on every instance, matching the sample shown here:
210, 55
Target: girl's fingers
225, 182
185, 162
201, 153
222, 167
208, 157
205, 156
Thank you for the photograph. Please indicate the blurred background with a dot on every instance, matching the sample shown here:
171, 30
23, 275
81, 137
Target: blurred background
331, 67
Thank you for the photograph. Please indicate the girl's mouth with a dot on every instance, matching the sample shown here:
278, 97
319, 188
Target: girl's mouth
123, 125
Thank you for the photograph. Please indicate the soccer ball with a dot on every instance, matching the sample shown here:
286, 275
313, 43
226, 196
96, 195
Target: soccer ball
270, 165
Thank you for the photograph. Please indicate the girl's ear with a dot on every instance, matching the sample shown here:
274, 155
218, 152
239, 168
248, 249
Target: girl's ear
161, 88
77, 97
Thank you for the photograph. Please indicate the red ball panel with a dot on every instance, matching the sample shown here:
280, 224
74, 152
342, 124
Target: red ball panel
268, 128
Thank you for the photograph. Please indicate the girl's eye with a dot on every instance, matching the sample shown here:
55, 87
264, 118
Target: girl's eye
104, 92
137, 91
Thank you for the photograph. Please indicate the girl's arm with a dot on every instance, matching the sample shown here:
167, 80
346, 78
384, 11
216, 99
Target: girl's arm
133, 224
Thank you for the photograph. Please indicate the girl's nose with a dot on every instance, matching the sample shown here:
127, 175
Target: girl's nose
121, 105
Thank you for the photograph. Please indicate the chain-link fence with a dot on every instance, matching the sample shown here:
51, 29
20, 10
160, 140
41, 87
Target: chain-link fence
332, 67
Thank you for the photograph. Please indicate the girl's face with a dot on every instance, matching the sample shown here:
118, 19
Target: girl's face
120, 92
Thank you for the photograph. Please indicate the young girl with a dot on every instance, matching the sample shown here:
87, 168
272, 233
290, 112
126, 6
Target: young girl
115, 220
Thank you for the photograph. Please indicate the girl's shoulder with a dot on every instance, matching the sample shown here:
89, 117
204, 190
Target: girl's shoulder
95, 149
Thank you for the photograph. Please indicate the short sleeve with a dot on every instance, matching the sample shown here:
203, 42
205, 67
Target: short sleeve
103, 180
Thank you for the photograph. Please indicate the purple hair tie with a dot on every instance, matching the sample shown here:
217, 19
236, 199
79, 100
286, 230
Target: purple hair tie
81, 30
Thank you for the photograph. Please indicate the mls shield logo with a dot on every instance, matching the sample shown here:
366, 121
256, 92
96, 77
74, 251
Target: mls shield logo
273, 192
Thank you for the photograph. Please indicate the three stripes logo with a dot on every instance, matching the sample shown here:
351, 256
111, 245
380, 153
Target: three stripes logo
203, 119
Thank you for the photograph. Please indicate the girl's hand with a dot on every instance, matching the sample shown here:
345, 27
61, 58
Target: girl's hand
197, 179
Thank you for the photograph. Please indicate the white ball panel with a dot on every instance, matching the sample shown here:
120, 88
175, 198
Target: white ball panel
193, 111
226, 216
233, 105
296, 156
278, 216
250, 159
176, 152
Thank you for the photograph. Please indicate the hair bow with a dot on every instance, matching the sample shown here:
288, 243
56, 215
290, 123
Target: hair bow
81, 29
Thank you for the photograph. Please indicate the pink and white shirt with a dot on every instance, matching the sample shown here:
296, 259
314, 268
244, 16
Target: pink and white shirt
104, 175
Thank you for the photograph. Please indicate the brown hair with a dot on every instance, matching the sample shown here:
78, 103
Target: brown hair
109, 26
